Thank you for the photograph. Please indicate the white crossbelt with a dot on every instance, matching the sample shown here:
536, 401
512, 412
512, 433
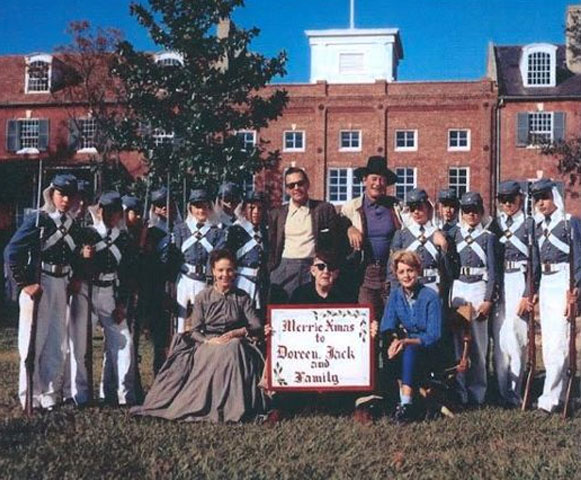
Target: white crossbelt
469, 240
548, 235
62, 232
509, 233
247, 271
198, 236
255, 237
108, 243
423, 239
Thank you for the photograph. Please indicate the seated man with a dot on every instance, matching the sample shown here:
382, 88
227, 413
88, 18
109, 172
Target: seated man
414, 315
322, 290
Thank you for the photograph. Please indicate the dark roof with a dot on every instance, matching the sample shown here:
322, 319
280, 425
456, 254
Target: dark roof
510, 81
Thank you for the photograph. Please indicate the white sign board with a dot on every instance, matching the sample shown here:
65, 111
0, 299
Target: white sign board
315, 348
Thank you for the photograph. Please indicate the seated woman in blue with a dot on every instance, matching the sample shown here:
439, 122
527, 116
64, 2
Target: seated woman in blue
414, 315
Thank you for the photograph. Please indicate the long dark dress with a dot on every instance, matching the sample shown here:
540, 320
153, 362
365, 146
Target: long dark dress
206, 382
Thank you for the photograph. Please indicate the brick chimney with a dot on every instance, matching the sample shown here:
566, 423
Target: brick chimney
573, 38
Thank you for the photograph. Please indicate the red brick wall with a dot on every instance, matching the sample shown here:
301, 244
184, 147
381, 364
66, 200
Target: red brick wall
524, 162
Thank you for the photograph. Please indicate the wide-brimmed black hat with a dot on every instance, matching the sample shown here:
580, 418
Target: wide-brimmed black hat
376, 165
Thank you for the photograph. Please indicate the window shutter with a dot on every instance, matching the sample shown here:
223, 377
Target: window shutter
43, 134
559, 126
522, 134
74, 134
12, 135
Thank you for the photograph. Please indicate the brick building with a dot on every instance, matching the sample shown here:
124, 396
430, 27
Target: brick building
539, 101
464, 134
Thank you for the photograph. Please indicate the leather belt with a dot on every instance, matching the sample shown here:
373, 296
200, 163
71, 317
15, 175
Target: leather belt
54, 269
550, 268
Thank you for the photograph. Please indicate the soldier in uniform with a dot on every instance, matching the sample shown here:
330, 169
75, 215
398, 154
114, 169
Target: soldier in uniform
227, 204
447, 209
555, 238
474, 289
155, 275
513, 229
52, 247
195, 239
246, 239
423, 237
108, 269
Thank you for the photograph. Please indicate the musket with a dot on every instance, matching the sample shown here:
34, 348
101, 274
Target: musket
29, 362
170, 284
89, 339
531, 345
572, 367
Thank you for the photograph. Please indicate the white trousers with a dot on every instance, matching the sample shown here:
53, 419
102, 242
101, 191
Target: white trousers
51, 342
555, 337
251, 288
186, 290
472, 384
510, 339
117, 379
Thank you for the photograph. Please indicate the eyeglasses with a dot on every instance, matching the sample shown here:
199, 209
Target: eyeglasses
507, 198
542, 196
322, 266
292, 185
470, 209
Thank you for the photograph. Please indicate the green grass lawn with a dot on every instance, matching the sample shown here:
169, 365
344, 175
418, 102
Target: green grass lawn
107, 442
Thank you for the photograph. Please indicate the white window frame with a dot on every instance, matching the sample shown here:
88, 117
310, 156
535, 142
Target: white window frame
294, 149
460, 148
531, 49
38, 58
84, 145
352, 182
350, 149
413, 185
245, 142
532, 143
30, 149
455, 186
169, 58
413, 148
161, 137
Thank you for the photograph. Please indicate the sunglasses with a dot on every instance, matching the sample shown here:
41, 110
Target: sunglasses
415, 206
507, 198
471, 209
322, 266
292, 185
542, 196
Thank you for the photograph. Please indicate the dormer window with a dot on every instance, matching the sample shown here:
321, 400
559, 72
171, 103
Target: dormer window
538, 65
169, 59
38, 73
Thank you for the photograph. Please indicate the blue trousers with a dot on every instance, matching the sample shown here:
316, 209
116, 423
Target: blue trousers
412, 364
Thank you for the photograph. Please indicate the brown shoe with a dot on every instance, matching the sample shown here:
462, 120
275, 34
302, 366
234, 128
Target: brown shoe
273, 417
363, 416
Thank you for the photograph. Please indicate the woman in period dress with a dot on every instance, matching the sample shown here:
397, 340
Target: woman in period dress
213, 371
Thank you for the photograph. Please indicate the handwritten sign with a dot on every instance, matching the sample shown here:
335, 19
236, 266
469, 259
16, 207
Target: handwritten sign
320, 348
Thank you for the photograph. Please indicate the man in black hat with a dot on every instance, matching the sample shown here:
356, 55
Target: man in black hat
473, 290
557, 233
447, 209
295, 230
371, 221
108, 268
513, 228
246, 238
54, 255
195, 239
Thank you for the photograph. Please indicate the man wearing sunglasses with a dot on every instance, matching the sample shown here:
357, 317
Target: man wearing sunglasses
295, 230
473, 291
513, 228
556, 233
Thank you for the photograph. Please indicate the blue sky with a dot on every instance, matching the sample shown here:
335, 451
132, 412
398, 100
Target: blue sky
442, 39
